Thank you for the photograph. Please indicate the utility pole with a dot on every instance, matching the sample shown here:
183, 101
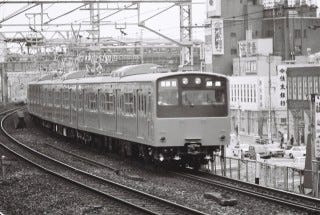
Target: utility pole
269, 114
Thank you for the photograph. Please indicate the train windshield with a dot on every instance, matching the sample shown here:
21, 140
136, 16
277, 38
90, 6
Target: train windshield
203, 97
168, 93
192, 96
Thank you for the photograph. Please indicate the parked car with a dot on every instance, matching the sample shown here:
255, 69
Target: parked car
258, 149
295, 151
261, 140
236, 151
274, 150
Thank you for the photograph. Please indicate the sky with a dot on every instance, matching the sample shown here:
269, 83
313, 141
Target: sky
166, 23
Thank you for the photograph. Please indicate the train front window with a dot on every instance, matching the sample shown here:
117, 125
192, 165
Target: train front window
192, 95
202, 97
168, 93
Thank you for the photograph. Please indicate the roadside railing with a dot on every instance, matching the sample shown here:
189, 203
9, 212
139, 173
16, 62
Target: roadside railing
262, 173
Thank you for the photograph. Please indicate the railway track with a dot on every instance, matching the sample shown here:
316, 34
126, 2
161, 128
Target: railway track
309, 204
132, 198
300, 202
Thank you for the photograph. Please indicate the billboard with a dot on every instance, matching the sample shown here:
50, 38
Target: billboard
248, 48
217, 37
213, 8
282, 80
317, 126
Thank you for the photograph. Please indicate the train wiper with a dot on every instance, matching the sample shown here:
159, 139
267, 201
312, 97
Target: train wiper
189, 102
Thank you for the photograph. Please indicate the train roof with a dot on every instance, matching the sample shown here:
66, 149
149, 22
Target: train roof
132, 73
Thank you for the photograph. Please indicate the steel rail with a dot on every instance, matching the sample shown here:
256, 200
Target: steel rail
282, 200
156, 200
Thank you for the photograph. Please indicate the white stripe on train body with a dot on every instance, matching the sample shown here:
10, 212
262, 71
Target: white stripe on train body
182, 116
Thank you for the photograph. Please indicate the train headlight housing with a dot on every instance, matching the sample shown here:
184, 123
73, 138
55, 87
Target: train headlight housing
222, 138
163, 139
185, 81
197, 80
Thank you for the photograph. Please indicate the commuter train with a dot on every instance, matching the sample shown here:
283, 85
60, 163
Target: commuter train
139, 110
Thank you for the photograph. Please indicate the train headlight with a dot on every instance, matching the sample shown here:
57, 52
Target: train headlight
185, 81
197, 80
161, 158
177, 157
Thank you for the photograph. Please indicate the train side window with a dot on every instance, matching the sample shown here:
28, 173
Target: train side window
57, 99
128, 103
109, 102
92, 101
102, 105
144, 104
80, 100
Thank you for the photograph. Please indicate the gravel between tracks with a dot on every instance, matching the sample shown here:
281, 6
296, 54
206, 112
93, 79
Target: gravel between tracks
161, 185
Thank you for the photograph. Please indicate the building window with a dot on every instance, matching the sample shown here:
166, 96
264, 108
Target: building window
233, 34
297, 33
270, 33
233, 51
283, 120
305, 33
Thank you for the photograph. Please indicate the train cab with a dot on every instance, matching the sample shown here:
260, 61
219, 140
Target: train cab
192, 116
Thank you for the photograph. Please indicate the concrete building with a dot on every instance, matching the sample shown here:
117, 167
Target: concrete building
235, 16
249, 105
293, 25
292, 28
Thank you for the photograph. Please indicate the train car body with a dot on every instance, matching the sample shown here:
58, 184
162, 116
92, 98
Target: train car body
161, 116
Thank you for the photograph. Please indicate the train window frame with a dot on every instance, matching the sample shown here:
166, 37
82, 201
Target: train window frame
102, 103
73, 99
81, 99
109, 102
181, 110
128, 104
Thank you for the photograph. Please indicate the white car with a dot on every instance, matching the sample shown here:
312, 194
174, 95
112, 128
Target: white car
295, 151
274, 150
236, 151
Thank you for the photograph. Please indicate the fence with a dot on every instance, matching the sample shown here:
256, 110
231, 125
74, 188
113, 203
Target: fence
268, 175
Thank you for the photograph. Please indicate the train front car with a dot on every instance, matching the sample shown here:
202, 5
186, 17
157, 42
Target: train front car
192, 117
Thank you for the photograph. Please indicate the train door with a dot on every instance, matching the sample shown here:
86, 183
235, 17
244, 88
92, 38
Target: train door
149, 114
80, 107
70, 101
99, 108
142, 114
137, 102
118, 110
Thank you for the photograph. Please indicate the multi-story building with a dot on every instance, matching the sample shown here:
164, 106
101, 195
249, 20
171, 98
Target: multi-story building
291, 25
235, 18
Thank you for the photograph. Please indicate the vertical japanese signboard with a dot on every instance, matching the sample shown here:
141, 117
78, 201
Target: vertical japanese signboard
282, 80
317, 126
217, 37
